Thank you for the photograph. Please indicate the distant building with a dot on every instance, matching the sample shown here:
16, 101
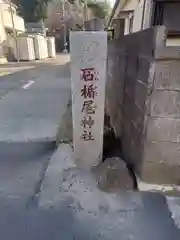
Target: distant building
59, 23
36, 27
73, 13
6, 27
133, 15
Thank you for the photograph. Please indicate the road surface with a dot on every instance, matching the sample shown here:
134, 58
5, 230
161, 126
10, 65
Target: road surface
33, 98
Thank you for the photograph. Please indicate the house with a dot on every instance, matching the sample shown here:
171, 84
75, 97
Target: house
9, 21
64, 17
36, 27
74, 13
134, 15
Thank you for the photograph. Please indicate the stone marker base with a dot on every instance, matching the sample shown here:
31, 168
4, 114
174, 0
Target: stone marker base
113, 175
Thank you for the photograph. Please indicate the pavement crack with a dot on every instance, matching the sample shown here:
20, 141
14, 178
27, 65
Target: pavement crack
33, 200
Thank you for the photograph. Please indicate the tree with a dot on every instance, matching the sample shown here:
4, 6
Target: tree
32, 10
100, 9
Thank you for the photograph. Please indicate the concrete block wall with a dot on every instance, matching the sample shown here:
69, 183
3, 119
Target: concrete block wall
143, 102
137, 87
161, 160
129, 62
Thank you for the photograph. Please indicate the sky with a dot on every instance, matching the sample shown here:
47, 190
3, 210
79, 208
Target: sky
111, 2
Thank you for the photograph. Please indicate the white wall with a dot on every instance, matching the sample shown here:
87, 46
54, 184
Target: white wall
2, 30
7, 19
129, 5
148, 14
126, 30
18, 21
137, 6
138, 12
2, 39
146, 6
6, 23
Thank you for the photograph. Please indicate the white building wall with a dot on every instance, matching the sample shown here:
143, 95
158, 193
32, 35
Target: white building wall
6, 23
129, 5
142, 15
2, 29
2, 39
18, 21
138, 15
138, 7
6, 19
148, 13
126, 30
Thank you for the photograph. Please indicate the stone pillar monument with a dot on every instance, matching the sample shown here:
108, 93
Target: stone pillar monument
88, 78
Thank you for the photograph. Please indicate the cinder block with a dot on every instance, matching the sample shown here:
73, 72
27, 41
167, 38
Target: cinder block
130, 84
127, 107
141, 92
126, 148
144, 65
161, 163
149, 93
126, 128
122, 64
167, 75
136, 146
163, 130
165, 104
145, 40
142, 42
118, 123
138, 118
119, 90
132, 66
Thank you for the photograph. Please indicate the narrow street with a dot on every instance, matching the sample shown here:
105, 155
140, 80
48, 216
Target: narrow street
33, 102
33, 99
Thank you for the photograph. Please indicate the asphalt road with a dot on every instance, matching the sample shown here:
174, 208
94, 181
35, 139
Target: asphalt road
33, 98
32, 104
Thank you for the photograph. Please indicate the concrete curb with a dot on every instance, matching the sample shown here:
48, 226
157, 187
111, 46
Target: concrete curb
27, 149
72, 190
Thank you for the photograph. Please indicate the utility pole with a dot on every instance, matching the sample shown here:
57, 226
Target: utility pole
14, 31
85, 11
64, 26
1, 47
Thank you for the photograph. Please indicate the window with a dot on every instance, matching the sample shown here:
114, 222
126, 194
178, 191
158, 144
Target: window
121, 27
167, 13
131, 24
11, 9
158, 14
